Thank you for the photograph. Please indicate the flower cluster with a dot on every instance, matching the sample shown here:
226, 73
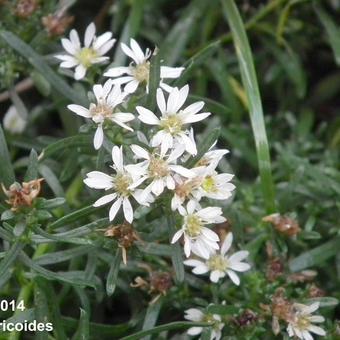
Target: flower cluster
157, 165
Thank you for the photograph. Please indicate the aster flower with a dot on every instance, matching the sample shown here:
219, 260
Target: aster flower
205, 183
121, 183
172, 124
139, 70
92, 52
160, 168
108, 98
220, 265
196, 315
13, 122
199, 239
301, 324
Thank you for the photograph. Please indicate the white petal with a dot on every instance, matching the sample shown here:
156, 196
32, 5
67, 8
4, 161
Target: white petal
316, 330
127, 208
98, 137
140, 57
117, 71
69, 63
139, 151
157, 186
114, 209
182, 96
171, 72
161, 100
79, 110
239, 256
202, 269
74, 37
210, 234
129, 53
227, 243
233, 276
193, 108
193, 263
214, 276
187, 246
177, 236
170, 183
193, 314
131, 86
89, 34
68, 46
101, 40
182, 171
239, 266
146, 116
196, 117
80, 72
98, 92
104, 200
117, 157
123, 116
194, 331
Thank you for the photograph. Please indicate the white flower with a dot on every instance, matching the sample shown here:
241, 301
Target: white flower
13, 122
160, 168
121, 184
206, 183
302, 323
197, 238
83, 57
220, 265
139, 70
108, 98
173, 122
196, 315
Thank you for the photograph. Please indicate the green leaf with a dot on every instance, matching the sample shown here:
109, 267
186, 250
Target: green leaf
83, 331
7, 176
203, 147
177, 39
61, 256
10, 257
112, 276
151, 316
52, 203
40, 310
32, 168
72, 217
315, 256
154, 79
65, 144
39, 64
51, 179
222, 309
332, 31
166, 327
154, 248
42, 85
250, 84
325, 301
176, 249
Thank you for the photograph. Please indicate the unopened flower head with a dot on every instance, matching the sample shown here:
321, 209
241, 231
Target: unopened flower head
121, 183
160, 168
301, 324
196, 315
219, 264
108, 99
173, 123
199, 239
138, 72
13, 122
82, 57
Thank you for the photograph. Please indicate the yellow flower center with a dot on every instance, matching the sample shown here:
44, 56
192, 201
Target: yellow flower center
122, 181
86, 55
217, 262
158, 167
101, 110
193, 225
141, 72
172, 124
209, 184
303, 323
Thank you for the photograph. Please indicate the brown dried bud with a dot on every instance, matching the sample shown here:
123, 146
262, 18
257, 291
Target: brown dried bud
304, 276
283, 224
282, 309
275, 269
22, 195
25, 8
56, 24
123, 233
314, 291
160, 282
247, 318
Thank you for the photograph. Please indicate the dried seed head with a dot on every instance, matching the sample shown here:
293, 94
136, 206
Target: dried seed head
283, 224
123, 233
275, 269
282, 308
247, 318
20, 195
160, 282
314, 291
25, 8
56, 24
